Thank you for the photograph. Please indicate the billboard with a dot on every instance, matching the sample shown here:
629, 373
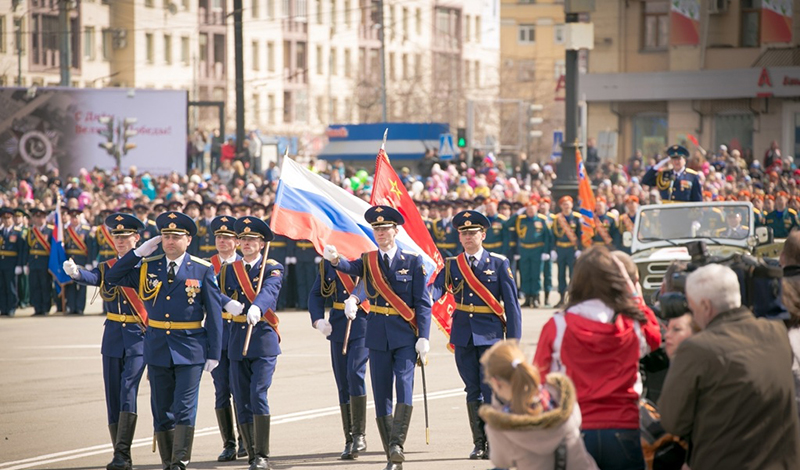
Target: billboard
73, 128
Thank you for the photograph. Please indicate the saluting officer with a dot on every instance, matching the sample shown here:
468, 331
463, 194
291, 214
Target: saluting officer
225, 242
203, 244
398, 325
567, 233
12, 259
534, 242
252, 374
783, 219
487, 311
676, 183
179, 292
123, 338
350, 367
41, 282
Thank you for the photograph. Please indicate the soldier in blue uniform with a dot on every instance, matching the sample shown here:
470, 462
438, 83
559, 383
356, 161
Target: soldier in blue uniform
567, 233
605, 226
184, 331
306, 260
252, 374
398, 325
101, 246
21, 223
225, 242
203, 244
150, 229
281, 249
487, 311
445, 237
534, 243
547, 263
225, 208
12, 259
123, 339
192, 209
39, 242
676, 183
76, 244
496, 234
350, 367
783, 219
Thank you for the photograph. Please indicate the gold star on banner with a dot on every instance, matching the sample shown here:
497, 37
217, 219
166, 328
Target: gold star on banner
395, 189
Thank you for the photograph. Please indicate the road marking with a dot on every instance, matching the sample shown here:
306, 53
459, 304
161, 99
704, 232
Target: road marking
211, 431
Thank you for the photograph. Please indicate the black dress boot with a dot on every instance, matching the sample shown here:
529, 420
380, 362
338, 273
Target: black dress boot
347, 453
478, 433
182, 446
358, 413
122, 449
560, 303
112, 430
247, 434
225, 423
164, 440
385, 431
402, 418
261, 436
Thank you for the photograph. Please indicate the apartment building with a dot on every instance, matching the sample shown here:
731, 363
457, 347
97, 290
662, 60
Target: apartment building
721, 71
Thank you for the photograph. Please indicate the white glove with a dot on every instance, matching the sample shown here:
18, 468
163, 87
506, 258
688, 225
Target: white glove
148, 247
545, 256
577, 253
317, 259
330, 253
287, 261
253, 315
88, 267
661, 164
18, 270
234, 307
324, 327
351, 307
423, 346
95, 263
554, 255
26, 270
70, 268
517, 257
211, 364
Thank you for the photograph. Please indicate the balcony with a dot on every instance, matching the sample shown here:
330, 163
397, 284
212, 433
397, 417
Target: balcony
367, 32
297, 76
295, 28
214, 73
211, 17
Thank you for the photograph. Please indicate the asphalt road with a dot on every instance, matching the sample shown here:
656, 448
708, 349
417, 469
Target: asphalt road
53, 414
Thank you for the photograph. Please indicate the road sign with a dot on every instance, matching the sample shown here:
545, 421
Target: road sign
558, 140
447, 150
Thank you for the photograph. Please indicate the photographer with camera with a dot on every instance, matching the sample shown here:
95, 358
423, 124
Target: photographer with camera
729, 388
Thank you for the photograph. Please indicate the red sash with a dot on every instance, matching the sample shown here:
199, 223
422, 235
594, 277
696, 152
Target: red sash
217, 263
350, 286
562, 221
385, 290
41, 239
601, 229
107, 237
243, 278
137, 306
628, 222
477, 286
77, 239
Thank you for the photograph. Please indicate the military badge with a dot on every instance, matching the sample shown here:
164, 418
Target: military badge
275, 272
192, 289
12, 239
510, 274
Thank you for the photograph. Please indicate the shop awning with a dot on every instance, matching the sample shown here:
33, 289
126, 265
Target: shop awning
405, 141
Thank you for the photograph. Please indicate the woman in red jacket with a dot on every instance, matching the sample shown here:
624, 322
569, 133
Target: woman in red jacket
597, 341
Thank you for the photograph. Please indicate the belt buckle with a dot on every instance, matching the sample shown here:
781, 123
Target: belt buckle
168, 325
471, 308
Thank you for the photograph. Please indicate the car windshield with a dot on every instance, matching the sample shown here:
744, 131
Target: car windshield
667, 223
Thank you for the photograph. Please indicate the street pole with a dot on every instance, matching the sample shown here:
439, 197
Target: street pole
65, 51
239, 65
383, 60
18, 22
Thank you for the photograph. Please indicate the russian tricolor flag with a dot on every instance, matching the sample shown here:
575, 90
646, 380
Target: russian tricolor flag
309, 207
57, 254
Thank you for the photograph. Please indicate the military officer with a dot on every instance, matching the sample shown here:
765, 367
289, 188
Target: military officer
225, 242
192, 209
306, 261
102, 246
123, 338
758, 209
445, 237
605, 227
495, 235
281, 248
180, 292
395, 284
241, 209
547, 264
150, 229
487, 309
627, 221
734, 228
76, 244
21, 223
12, 259
675, 183
567, 234
350, 365
252, 373
225, 208
534, 242
783, 219
203, 244
41, 283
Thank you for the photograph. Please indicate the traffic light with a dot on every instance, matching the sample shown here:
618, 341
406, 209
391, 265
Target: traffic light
461, 135
127, 133
534, 121
108, 133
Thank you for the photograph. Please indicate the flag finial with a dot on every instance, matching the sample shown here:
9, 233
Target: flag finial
385, 135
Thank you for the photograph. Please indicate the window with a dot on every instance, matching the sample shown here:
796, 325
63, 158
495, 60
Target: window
526, 70
405, 24
419, 21
270, 108
88, 42
558, 34
271, 14
649, 132
319, 60
478, 30
751, 21
656, 25
318, 5
184, 4
19, 26
467, 73
391, 66
254, 8
149, 3
467, 28
2, 33
254, 46
149, 47
560, 69
347, 13
321, 109
271, 56
527, 34
348, 71
405, 67
333, 62
185, 50
333, 11
167, 48
301, 59
477, 73
418, 65
287, 106
392, 26
203, 40
348, 110
334, 109
108, 41
256, 108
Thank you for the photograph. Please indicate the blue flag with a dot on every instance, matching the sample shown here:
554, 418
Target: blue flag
57, 253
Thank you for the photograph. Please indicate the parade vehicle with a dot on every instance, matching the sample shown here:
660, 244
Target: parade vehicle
664, 233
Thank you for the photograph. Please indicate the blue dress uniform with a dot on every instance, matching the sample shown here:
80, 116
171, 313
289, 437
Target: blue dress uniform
547, 265
476, 326
23, 280
609, 227
39, 241
568, 243
534, 239
782, 222
496, 238
391, 338
280, 248
305, 268
350, 368
675, 186
252, 374
76, 244
178, 297
12, 258
203, 243
445, 237
122, 347
101, 247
